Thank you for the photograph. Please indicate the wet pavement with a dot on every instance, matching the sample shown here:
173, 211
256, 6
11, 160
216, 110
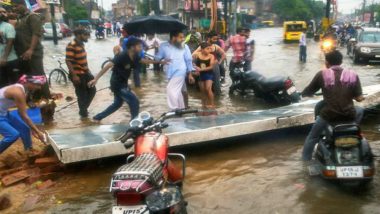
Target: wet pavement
260, 174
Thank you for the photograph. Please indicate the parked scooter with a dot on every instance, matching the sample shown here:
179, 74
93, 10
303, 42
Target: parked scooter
279, 90
151, 182
344, 154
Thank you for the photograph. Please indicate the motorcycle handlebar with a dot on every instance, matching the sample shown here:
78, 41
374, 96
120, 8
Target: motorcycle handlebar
186, 111
125, 137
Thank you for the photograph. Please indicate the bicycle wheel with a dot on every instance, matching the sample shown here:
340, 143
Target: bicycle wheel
106, 62
57, 76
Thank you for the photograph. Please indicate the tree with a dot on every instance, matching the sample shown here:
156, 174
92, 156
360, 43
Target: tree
75, 10
298, 9
144, 7
317, 8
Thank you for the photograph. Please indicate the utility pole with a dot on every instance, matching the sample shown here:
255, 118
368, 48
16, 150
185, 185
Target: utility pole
52, 4
225, 14
328, 9
192, 14
364, 5
205, 5
235, 17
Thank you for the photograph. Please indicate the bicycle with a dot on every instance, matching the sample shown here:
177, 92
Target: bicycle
59, 75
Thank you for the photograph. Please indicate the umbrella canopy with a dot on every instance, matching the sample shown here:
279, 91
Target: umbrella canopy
154, 24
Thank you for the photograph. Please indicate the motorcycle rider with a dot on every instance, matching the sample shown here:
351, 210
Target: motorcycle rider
339, 87
100, 31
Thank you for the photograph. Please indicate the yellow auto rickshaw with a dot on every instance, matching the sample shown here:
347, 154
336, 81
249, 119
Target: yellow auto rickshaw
293, 30
268, 23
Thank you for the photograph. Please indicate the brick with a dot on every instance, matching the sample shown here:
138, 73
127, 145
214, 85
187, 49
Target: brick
53, 168
5, 202
18, 176
45, 185
2, 166
51, 176
10, 171
44, 162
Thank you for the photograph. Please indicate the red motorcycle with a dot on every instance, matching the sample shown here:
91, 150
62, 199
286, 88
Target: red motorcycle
149, 182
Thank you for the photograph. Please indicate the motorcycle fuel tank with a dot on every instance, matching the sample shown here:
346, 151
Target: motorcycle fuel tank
152, 142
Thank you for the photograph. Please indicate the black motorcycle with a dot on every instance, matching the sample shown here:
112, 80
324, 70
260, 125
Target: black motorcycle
99, 34
344, 155
279, 89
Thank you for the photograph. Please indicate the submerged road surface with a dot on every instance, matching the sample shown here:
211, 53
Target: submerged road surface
260, 174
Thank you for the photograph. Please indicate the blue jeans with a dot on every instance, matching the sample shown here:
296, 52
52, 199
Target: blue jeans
316, 131
11, 128
303, 54
121, 95
136, 75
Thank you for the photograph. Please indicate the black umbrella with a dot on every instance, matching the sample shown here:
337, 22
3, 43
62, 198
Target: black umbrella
154, 24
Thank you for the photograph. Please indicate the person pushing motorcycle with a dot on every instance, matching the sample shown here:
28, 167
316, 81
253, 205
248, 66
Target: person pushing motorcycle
340, 87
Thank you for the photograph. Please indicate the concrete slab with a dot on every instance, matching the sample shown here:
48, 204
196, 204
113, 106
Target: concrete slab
94, 142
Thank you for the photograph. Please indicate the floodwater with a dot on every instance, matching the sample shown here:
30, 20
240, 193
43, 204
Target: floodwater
257, 174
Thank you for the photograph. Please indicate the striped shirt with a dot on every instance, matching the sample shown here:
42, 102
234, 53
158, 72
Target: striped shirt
239, 47
76, 54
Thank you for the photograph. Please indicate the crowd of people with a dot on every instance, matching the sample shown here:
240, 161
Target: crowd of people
21, 73
204, 65
22, 70
186, 59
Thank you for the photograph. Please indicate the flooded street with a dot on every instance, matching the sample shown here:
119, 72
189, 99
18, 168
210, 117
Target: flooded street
259, 174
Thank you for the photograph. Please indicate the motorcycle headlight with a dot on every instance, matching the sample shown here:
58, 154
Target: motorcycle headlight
163, 199
144, 116
327, 44
135, 123
365, 50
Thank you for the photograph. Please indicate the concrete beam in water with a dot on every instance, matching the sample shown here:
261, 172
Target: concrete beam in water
95, 142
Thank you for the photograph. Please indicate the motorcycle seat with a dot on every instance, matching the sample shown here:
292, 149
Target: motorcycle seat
145, 167
252, 76
346, 129
273, 83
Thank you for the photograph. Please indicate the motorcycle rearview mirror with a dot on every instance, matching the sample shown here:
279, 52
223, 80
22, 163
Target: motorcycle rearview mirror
164, 125
129, 143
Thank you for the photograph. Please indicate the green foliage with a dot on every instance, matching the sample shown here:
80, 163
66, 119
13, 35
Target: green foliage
144, 7
75, 10
298, 9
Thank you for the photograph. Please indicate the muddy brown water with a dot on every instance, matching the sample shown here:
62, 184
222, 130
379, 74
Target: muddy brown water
256, 174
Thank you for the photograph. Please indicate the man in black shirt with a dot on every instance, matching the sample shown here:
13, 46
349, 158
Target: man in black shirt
339, 88
123, 64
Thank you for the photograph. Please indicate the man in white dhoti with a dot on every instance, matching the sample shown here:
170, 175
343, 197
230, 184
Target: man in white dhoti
180, 65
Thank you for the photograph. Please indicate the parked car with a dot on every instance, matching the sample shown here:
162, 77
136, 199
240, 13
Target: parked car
65, 30
365, 46
48, 31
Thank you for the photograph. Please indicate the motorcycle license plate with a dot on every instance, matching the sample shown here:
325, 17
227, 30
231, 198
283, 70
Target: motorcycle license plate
129, 209
291, 90
349, 172
377, 56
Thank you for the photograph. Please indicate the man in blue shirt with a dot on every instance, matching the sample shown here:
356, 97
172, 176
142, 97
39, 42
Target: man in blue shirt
123, 64
180, 65
137, 70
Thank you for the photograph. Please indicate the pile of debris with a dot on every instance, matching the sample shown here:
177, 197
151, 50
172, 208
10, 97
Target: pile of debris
38, 171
